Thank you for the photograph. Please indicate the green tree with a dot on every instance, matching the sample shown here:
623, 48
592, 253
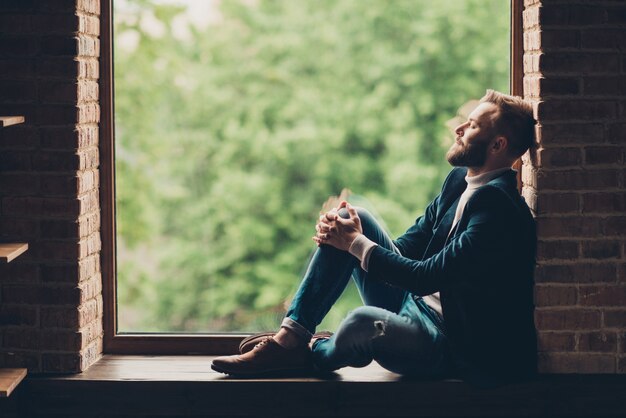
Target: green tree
228, 142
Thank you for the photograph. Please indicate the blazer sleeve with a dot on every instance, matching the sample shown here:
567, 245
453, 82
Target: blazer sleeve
463, 258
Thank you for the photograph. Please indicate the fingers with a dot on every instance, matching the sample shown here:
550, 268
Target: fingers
354, 217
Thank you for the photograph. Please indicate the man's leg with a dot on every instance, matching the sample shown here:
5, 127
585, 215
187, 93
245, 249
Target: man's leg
409, 342
327, 276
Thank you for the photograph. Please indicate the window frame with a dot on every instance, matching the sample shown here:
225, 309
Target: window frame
208, 344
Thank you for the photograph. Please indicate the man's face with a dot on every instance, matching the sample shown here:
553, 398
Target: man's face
473, 137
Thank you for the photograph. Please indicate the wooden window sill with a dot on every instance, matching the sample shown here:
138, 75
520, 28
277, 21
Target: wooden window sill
186, 386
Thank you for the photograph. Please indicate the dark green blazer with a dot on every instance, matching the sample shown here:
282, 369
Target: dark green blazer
483, 271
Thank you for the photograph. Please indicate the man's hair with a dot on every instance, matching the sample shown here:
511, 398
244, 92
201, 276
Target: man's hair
514, 121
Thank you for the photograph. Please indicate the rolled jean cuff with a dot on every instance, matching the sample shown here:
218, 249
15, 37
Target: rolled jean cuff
292, 325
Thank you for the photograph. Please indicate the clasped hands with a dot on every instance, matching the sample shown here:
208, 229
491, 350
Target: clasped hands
336, 231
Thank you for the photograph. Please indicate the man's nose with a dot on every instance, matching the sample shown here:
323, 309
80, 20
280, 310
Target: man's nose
459, 130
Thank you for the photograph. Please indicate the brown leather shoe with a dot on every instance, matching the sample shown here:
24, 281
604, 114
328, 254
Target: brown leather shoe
248, 343
265, 358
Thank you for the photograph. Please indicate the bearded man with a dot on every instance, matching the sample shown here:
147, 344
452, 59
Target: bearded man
451, 297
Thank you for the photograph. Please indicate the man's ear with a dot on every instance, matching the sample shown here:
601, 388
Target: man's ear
500, 144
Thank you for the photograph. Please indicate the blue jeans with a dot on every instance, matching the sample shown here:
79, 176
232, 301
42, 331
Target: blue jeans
400, 331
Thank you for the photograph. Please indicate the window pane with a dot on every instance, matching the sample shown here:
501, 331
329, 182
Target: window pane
236, 120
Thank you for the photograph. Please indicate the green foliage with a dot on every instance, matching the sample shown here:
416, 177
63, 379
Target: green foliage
228, 142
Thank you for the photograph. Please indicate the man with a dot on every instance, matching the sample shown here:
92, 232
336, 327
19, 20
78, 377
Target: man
453, 296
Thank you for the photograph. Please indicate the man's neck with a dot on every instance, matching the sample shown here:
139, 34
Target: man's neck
476, 171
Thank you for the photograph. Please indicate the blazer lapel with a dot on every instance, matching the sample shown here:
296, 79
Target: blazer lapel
440, 234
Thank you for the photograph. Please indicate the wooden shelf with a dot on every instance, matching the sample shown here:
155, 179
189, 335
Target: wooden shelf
9, 379
8, 252
10, 120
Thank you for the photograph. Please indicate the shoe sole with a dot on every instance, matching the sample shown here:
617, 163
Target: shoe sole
246, 344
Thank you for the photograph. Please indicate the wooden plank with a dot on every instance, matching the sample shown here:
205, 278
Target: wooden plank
9, 379
10, 251
10, 120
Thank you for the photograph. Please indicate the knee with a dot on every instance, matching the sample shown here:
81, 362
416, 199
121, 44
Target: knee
364, 214
363, 323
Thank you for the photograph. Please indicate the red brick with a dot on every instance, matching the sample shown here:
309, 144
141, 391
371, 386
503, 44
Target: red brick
88, 113
19, 184
579, 179
56, 114
18, 272
55, 23
57, 6
15, 161
89, 25
603, 38
88, 6
89, 202
14, 23
56, 161
601, 249
616, 14
567, 319
553, 109
549, 295
614, 226
576, 363
18, 46
88, 91
576, 273
19, 137
530, 17
597, 341
66, 272
18, 229
18, 91
89, 224
60, 67
63, 92
88, 68
59, 45
18, 315
65, 363
569, 133
553, 203
559, 157
555, 341
59, 229
615, 318
548, 39
599, 155
579, 63
616, 133
60, 138
88, 46
16, 68
41, 295
59, 185
555, 250
37, 206
571, 15
569, 226
30, 360
559, 86
603, 295
604, 86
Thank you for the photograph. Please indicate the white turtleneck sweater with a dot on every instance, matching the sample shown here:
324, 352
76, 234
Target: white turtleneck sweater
362, 246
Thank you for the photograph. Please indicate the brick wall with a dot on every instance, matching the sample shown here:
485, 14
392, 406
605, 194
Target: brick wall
50, 299
575, 73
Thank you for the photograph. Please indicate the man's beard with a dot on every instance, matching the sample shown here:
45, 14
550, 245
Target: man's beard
470, 155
